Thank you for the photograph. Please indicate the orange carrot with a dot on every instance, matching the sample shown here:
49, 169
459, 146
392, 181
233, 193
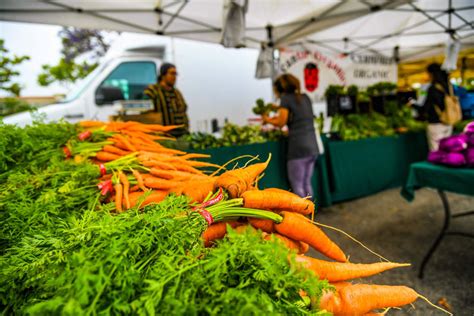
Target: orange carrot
126, 188
265, 225
359, 299
155, 196
173, 174
162, 128
186, 168
298, 227
106, 156
115, 150
200, 164
194, 155
157, 183
238, 181
245, 228
337, 271
277, 200
196, 189
125, 141
157, 164
304, 247
87, 123
118, 197
289, 243
217, 231
134, 188
140, 181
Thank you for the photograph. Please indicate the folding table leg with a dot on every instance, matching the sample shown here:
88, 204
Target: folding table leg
447, 218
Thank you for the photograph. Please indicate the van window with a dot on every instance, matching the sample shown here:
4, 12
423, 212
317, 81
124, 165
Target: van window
132, 78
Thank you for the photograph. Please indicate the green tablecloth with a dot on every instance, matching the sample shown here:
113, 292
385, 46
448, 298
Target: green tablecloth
364, 167
425, 174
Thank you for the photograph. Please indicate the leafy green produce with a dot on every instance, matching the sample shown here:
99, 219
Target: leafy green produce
33, 145
233, 135
381, 88
261, 108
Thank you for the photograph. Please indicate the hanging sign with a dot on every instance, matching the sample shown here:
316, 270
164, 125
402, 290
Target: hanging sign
316, 71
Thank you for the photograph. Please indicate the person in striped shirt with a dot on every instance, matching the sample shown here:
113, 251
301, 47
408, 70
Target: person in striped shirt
168, 100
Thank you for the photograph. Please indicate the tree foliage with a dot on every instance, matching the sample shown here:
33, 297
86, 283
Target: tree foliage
7, 72
76, 44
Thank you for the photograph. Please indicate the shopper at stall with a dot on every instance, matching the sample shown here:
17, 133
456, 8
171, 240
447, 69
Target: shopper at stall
296, 111
434, 104
168, 100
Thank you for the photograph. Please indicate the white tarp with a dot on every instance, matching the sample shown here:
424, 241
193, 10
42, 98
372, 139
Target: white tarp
200, 20
418, 28
316, 70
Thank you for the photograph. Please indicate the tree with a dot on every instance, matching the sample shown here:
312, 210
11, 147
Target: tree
7, 72
77, 43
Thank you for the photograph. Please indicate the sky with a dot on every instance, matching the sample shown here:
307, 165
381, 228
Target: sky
42, 44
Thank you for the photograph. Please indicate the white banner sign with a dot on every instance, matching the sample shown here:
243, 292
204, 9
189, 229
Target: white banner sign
317, 71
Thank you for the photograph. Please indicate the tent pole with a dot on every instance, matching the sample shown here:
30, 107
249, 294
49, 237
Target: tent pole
271, 45
463, 70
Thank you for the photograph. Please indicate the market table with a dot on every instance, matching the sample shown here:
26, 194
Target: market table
347, 169
457, 180
367, 166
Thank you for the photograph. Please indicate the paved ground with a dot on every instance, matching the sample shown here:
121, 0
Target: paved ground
403, 232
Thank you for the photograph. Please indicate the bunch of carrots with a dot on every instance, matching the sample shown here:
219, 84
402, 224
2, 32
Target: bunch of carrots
137, 170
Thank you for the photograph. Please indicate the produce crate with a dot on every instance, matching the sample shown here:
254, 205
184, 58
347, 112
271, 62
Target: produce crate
378, 102
363, 107
341, 104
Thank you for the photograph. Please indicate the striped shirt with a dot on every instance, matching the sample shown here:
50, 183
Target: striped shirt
171, 104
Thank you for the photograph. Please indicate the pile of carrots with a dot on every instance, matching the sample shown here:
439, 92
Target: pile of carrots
140, 170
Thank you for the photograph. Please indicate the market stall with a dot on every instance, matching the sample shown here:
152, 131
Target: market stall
107, 218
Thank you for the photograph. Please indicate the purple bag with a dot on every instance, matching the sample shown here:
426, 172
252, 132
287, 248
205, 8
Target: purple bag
469, 129
454, 143
436, 156
470, 140
470, 157
449, 159
454, 159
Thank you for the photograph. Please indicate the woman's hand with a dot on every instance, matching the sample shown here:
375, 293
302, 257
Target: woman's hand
265, 118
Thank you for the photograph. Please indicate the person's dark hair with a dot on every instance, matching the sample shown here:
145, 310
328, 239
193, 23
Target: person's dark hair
439, 75
311, 66
288, 84
164, 69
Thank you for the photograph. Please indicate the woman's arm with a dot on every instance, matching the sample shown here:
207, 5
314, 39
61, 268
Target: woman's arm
279, 120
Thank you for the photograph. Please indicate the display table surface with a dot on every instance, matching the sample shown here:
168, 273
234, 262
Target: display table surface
425, 174
457, 180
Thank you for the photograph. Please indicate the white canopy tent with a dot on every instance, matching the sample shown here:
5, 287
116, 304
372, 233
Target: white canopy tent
402, 29
195, 19
412, 31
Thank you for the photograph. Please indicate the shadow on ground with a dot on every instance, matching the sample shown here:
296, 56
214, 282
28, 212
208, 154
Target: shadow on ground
403, 232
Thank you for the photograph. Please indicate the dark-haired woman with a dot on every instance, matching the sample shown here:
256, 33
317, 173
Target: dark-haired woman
296, 111
434, 103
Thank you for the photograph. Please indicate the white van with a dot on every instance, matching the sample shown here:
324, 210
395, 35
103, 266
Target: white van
217, 83
122, 76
